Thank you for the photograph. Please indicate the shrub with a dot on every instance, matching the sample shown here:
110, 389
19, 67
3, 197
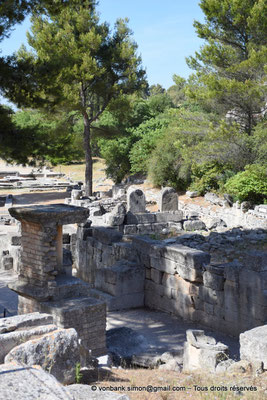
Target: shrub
209, 176
249, 185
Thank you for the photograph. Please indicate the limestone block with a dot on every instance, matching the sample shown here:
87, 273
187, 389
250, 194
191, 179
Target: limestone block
11, 324
253, 345
156, 276
176, 282
176, 216
256, 260
122, 278
143, 229
85, 392
163, 264
117, 215
168, 200
159, 289
202, 350
194, 225
106, 235
139, 218
213, 281
30, 383
56, 352
130, 229
10, 340
159, 226
136, 201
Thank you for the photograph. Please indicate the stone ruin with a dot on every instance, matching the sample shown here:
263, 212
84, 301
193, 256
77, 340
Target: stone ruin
43, 284
123, 264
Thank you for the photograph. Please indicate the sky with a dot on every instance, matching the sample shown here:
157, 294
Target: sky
163, 31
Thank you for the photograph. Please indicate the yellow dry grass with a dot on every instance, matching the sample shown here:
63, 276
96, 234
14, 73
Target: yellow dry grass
195, 386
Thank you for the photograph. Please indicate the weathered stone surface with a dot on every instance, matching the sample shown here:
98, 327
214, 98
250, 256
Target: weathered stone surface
192, 194
85, 392
214, 223
10, 340
56, 352
213, 281
56, 213
241, 366
106, 235
136, 201
223, 366
253, 345
11, 324
168, 200
202, 350
194, 225
139, 218
213, 198
30, 383
117, 215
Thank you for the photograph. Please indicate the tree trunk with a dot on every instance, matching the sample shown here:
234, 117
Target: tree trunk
88, 156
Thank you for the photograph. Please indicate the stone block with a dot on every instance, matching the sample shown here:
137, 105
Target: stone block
130, 229
136, 201
169, 216
202, 350
163, 264
143, 229
194, 225
176, 282
10, 340
213, 281
168, 200
106, 235
56, 352
158, 289
139, 218
253, 345
156, 276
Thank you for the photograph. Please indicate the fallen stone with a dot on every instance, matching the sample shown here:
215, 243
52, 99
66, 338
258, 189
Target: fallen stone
85, 392
192, 194
56, 352
194, 225
240, 367
213, 198
223, 366
253, 345
30, 383
117, 215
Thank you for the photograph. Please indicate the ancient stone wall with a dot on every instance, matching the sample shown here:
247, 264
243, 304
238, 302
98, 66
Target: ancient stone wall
229, 297
180, 280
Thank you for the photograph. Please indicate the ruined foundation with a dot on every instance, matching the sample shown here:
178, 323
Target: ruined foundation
43, 284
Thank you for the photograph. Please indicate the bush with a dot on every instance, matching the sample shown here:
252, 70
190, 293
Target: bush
209, 176
249, 185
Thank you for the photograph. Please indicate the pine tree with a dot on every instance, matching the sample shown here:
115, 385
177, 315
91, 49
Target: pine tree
77, 64
231, 66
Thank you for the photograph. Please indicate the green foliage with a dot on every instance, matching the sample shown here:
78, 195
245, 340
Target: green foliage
230, 66
171, 161
250, 184
116, 155
55, 139
77, 64
78, 375
149, 133
209, 176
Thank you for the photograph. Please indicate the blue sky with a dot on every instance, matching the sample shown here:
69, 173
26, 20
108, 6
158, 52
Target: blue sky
163, 31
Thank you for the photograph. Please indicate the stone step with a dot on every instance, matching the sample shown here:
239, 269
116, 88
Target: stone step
115, 303
124, 277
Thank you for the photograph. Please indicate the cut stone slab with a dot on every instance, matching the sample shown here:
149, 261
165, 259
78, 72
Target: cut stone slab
168, 200
30, 383
201, 350
136, 201
12, 339
57, 352
58, 214
84, 392
253, 345
26, 320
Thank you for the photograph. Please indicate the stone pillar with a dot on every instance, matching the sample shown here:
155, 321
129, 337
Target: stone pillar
136, 201
168, 200
42, 285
